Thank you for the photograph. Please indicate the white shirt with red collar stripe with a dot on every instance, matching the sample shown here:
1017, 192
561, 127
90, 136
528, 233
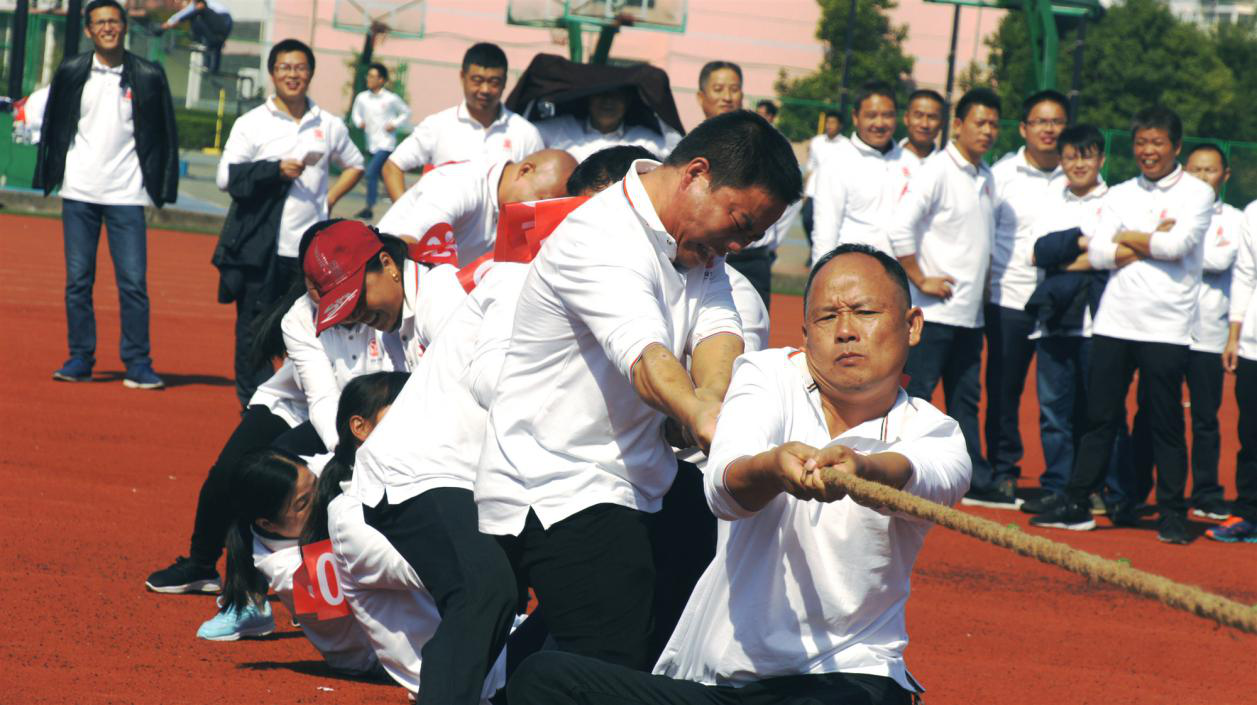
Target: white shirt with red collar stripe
567, 430
946, 217
454, 135
1154, 299
804, 587
457, 200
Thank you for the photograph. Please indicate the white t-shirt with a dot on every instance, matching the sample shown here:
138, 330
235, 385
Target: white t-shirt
947, 219
433, 433
33, 113
1153, 300
856, 193
463, 195
580, 139
820, 149
102, 165
1063, 211
379, 115
567, 430
431, 296
1244, 283
1022, 195
910, 159
756, 326
386, 597
453, 135
807, 587
1210, 329
268, 133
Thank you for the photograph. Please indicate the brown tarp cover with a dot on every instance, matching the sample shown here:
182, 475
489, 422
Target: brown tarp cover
566, 84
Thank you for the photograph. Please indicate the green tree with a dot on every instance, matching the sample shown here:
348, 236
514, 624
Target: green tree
1136, 55
876, 54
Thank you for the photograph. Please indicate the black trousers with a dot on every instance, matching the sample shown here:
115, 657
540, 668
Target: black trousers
808, 220
1161, 369
756, 264
262, 289
683, 534
1008, 356
1245, 504
258, 429
1204, 386
594, 576
468, 578
552, 678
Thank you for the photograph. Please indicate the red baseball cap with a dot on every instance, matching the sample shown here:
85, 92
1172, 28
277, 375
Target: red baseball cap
335, 264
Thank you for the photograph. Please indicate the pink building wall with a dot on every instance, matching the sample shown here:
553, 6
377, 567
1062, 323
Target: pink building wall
929, 31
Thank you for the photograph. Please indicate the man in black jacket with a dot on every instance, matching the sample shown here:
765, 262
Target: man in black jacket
109, 142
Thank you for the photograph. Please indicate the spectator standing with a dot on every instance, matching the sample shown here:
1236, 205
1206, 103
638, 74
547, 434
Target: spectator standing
603, 127
211, 24
767, 110
378, 112
275, 167
1025, 182
1144, 323
109, 142
924, 120
478, 128
942, 233
820, 149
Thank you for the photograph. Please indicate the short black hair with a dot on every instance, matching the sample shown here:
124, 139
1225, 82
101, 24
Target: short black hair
872, 88
485, 55
977, 96
1048, 96
380, 68
1158, 117
890, 264
713, 66
835, 114
769, 106
1211, 147
743, 151
928, 93
605, 167
95, 5
284, 46
1084, 137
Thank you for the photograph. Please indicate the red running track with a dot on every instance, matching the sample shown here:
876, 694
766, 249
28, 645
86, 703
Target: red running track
100, 485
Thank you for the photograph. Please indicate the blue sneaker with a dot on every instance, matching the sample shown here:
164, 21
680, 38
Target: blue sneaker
1234, 530
231, 625
76, 369
142, 377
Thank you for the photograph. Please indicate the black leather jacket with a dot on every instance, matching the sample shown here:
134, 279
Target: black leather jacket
156, 142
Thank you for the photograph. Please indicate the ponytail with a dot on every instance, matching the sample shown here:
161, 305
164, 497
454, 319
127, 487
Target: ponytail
260, 486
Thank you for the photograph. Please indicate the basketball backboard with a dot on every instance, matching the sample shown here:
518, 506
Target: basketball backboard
536, 13
656, 15
400, 18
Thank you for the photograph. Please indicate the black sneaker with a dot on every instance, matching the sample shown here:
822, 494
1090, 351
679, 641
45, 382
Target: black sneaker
1173, 529
1125, 514
364, 214
1000, 496
1043, 504
1066, 515
1217, 509
184, 576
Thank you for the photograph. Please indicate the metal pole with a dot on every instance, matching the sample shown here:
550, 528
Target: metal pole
17, 51
951, 72
73, 27
846, 59
1075, 88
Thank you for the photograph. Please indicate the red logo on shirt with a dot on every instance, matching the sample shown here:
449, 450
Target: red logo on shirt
506, 144
318, 134
1222, 241
127, 94
373, 349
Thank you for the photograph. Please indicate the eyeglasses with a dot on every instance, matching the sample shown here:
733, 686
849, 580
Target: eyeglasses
107, 23
294, 69
1043, 122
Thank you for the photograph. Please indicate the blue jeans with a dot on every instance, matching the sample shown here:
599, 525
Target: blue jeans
954, 355
127, 245
373, 175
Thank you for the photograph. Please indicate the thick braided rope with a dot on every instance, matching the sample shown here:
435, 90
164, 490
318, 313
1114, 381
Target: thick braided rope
1185, 597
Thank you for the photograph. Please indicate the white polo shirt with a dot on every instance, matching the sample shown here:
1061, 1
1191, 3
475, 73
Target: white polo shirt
567, 430
580, 139
820, 149
910, 159
431, 296
378, 115
856, 193
433, 433
101, 165
756, 326
777, 232
1244, 283
386, 597
947, 219
463, 196
268, 133
1065, 210
1022, 195
453, 135
1153, 300
1210, 329
808, 587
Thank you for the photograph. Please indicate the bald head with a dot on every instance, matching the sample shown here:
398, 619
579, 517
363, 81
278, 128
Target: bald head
538, 176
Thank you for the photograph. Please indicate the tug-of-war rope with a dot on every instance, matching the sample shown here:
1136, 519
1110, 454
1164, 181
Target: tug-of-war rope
1184, 597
